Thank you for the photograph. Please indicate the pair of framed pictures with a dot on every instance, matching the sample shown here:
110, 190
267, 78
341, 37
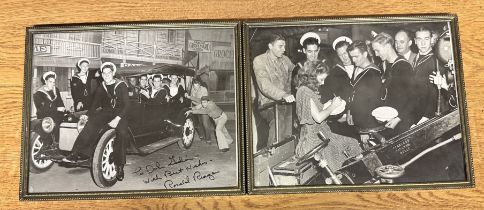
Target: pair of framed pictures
163, 109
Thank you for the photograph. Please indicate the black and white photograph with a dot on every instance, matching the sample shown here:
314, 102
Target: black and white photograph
356, 103
132, 109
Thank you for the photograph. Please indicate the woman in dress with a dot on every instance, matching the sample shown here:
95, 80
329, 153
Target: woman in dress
312, 119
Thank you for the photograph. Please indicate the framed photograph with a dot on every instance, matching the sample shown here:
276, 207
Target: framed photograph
132, 110
349, 104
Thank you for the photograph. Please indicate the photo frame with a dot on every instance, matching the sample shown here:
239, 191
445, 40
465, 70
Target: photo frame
309, 132
323, 104
125, 110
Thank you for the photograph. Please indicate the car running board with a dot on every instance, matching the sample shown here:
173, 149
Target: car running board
153, 147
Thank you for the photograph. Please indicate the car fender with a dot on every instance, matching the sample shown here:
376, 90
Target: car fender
36, 125
107, 127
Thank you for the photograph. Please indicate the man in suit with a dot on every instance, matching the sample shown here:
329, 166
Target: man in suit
403, 41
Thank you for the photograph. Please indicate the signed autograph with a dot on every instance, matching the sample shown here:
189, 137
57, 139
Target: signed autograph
177, 172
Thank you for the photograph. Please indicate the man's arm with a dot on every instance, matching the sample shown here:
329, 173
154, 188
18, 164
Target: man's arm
96, 100
123, 94
267, 88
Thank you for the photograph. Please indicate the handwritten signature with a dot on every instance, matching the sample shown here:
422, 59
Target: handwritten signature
197, 176
177, 160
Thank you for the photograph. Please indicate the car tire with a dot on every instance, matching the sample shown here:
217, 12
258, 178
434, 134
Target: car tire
35, 165
187, 133
103, 169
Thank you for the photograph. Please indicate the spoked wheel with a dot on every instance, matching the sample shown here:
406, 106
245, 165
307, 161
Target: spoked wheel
188, 133
103, 168
37, 165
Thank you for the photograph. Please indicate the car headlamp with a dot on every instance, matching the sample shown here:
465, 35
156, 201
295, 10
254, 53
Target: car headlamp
48, 124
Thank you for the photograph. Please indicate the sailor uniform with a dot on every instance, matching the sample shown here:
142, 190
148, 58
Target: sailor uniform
397, 92
46, 103
159, 96
338, 83
365, 96
426, 93
82, 89
114, 101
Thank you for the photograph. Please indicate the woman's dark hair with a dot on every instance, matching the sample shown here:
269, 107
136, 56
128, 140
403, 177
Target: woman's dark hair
306, 76
310, 41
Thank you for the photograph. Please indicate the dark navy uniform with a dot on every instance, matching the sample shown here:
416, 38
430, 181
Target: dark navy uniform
160, 96
338, 83
365, 97
83, 92
426, 93
397, 92
46, 103
114, 101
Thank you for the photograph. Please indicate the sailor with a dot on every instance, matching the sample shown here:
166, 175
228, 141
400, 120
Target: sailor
48, 102
83, 85
112, 97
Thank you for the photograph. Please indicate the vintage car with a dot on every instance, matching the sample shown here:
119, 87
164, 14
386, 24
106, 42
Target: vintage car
153, 126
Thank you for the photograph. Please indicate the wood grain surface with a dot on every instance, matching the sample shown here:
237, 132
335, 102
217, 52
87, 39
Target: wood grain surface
15, 15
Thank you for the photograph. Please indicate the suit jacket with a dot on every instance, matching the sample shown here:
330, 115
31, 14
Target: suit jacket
273, 77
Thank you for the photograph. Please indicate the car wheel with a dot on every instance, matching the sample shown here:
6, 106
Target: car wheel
37, 165
103, 168
188, 133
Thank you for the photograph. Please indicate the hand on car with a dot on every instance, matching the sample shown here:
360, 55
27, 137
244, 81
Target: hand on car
188, 112
79, 105
439, 80
114, 122
289, 99
61, 109
83, 117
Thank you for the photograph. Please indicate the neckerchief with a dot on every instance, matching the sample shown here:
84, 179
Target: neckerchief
41, 89
112, 98
424, 58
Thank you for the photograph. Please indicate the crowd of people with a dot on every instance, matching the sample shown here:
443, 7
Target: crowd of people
383, 71
107, 100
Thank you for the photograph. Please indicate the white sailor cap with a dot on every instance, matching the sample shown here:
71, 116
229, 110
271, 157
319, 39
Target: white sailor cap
340, 39
113, 67
309, 34
83, 60
44, 76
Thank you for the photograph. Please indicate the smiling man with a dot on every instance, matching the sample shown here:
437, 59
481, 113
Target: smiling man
112, 97
273, 76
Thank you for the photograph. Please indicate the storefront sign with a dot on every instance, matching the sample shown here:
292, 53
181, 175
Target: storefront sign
199, 46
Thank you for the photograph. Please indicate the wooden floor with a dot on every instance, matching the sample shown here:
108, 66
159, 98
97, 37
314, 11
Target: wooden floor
16, 15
